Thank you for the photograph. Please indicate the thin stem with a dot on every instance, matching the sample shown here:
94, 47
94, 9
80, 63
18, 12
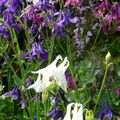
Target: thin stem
108, 89
37, 106
51, 51
61, 47
45, 110
102, 86
96, 37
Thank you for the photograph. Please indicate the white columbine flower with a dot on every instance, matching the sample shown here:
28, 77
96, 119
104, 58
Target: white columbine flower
74, 112
50, 74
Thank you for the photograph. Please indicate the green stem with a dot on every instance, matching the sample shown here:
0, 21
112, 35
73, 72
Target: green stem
45, 109
108, 89
37, 108
96, 37
102, 86
51, 51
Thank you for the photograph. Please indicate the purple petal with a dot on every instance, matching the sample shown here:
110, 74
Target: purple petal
7, 94
22, 104
2, 1
24, 54
70, 81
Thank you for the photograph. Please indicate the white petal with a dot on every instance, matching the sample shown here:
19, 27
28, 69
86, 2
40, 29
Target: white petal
49, 68
64, 65
67, 116
77, 114
60, 74
38, 85
80, 112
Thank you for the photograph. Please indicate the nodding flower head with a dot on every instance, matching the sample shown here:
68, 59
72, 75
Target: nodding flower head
14, 94
106, 112
74, 112
53, 73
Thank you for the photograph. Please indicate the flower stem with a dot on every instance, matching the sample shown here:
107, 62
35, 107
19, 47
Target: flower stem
96, 37
102, 86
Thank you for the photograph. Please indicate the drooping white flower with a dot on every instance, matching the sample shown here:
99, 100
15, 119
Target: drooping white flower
50, 74
74, 112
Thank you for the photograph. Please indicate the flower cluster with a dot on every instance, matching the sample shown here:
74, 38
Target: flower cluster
9, 9
36, 52
108, 13
32, 33
16, 95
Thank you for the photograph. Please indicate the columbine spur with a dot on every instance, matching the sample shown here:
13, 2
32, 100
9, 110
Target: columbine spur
76, 112
51, 74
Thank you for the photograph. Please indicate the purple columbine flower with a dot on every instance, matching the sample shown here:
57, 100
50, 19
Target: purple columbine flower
117, 91
106, 112
8, 17
35, 117
23, 101
70, 81
14, 94
36, 51
12, 5
62, 94
33, 29
30, 14
4, 31
88, 37
109, 13
115, 11
75, 3
22, 104
45, 5
56, 113
29, 82
65, 19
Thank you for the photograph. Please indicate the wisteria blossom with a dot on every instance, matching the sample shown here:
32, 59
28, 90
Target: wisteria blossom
51, 74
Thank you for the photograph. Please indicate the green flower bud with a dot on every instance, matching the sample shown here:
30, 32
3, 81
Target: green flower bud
89, 115
108, 56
